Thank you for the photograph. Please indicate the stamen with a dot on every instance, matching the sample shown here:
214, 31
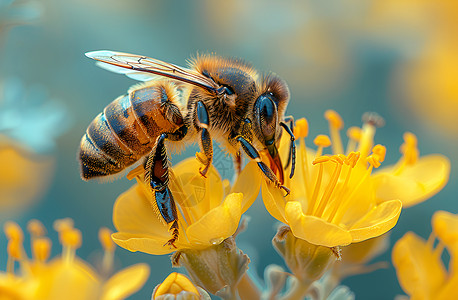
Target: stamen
371, 122
109, 247
347, 201
322, 141
409, 148
14, 249
71, 240
374, 161
63, 224
13, 231
330, 187
41, 248
335, 124
351, 160
354, 136
380, 151
301, 130
316, 190
305, 166
36, 228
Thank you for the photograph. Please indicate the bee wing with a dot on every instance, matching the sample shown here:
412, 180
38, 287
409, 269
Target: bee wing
145, 68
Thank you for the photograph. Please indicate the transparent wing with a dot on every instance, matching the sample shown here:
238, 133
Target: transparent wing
145, 68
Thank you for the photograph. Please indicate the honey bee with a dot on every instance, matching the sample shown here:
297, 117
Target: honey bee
218, 98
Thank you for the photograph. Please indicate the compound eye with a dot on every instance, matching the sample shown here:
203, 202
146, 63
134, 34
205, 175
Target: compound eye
267, 116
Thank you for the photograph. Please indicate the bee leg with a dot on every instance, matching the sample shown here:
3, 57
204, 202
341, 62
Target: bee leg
292, 145
157, 176
203, 122
254, 154
238, 162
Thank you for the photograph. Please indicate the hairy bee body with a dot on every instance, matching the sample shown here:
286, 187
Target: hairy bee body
221, 99
127, 129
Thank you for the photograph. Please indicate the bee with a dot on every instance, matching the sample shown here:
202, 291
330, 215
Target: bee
216, 98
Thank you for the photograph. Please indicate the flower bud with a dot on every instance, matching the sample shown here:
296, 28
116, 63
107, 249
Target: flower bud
306, 261
214, 268
178, 286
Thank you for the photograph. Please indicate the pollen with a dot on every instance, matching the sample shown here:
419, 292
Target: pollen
334, 119
322, 141
13, 231
301, 130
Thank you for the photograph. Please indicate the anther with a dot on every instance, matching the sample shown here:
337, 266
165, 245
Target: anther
322, 141
373, 119
105, 239
14, 249
321, 159
374, 160
354, 133
63, 224
41, 248
334, 119
380, 151
353, 158
301, 130
36, 228
13, 231
71, 238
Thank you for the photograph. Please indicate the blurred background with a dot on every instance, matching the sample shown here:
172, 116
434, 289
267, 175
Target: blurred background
397, 58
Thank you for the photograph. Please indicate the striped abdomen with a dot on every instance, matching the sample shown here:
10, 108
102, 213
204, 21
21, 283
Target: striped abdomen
126, 130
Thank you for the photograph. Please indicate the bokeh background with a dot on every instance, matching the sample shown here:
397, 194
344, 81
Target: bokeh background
397, 58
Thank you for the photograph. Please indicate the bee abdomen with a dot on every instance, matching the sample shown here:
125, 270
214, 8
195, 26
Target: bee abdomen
102, 153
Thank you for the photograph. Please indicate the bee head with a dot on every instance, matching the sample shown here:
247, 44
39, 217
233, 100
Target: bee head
236, 80
269, 109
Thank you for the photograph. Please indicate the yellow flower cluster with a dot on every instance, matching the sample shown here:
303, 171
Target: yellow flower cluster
65, 276
419, 265
209, 210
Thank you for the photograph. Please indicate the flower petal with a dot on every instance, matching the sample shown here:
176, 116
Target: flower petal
145, 243
217, 224
125, 282
248, 183
419, 269
273, 201
132, 213
314, 230
414, 183
377, 221
445, 226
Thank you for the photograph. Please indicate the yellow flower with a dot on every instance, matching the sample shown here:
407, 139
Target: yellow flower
24, 177
207, 212
413, 179
178, 286
420, 270
333, 197
64, 277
